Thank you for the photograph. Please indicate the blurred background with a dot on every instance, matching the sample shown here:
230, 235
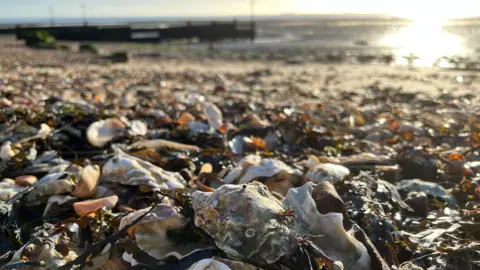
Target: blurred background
407, 32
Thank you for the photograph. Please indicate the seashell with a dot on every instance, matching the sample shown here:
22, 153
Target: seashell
85, 207
88, 182
433, 189
214, 115
237, 265
279, 186
250, 224
26, 180
195, 128
41, 193
6, 151
327, 200
247, 225
57, 204
151, 232
101, 132
329, 172
8, 189
138, 128
252, 167
128, 170
160, 144
209, 264
41, 248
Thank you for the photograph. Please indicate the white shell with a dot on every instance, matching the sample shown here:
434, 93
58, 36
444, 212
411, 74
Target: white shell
127, 170
138, 128
214, 115
151, 232
329, 172
6, 151
8, 190
327, 230
101, 132
252, 167
244, 221
209, 264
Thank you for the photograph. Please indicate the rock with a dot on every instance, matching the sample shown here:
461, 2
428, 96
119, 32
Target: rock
328, 201
26, 180
432, 189
418, 201
417, 164
186, 118
119, 57
85, 207
86, 187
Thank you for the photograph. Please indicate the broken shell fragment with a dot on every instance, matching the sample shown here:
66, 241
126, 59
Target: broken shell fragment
152, 232
209, 264
253, 167
86, 186
128, 170
214, 115
41, 193
102, 132
332, 173
85, 207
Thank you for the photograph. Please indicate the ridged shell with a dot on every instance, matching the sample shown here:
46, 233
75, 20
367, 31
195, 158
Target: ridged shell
209, 264
128, 170
243, 221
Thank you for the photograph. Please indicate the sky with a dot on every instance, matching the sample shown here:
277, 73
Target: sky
414, 9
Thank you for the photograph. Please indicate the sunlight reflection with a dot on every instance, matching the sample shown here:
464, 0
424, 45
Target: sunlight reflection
426, 40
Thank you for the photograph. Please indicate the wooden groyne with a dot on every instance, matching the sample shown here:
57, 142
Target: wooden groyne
203, 32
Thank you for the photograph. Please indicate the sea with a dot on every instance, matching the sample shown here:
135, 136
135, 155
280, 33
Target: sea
427, 41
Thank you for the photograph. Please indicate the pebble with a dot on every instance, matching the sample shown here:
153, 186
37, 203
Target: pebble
85, 207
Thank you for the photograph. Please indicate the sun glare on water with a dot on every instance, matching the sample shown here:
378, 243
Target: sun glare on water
425, 39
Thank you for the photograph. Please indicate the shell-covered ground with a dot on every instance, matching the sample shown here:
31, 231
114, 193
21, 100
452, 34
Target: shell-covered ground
165, 163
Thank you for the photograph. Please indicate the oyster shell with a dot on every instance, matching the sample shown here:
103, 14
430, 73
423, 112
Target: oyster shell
253, 167
151, 232
209, 264
128, 170
243, 221
246, 222
101, 132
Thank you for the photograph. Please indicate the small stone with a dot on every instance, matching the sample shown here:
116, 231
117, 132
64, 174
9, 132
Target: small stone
418, 201
186, 118
5, 102
26, 180
85, 207
87, 185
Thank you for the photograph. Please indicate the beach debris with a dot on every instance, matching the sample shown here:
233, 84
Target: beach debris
209, 264
253, 167
87, 184
128, 170
258, 222
154, 233
85, 207
102, 132
332, 173
434, 190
